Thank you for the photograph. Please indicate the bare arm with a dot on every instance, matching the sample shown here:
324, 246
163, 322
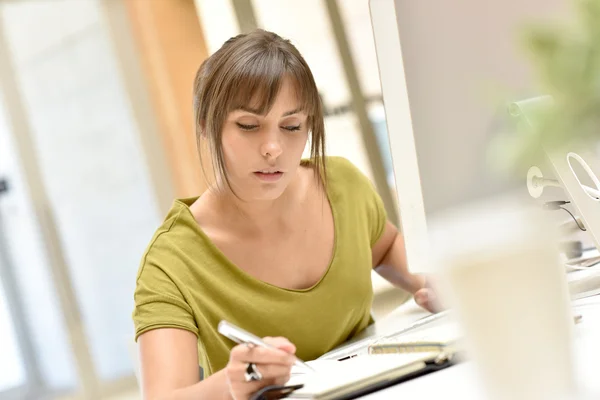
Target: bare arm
169, 368
389, 261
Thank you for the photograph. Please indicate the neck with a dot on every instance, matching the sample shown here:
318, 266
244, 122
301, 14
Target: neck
258, 217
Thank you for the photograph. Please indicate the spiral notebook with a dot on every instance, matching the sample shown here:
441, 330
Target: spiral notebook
437, 338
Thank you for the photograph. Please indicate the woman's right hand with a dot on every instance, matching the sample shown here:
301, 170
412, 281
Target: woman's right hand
275, 366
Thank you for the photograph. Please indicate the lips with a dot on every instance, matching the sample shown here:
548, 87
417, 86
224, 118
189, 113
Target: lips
268, 175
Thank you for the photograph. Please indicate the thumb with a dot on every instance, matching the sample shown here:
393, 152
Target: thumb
281, 343
426, 298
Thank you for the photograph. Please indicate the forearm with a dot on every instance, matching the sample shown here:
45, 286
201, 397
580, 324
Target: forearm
213, 387
393, 267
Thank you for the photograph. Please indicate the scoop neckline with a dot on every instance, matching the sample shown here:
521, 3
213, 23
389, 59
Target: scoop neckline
246, 275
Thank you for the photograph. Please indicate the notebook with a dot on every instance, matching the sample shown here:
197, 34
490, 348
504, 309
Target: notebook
341, 380
360, 345
439, 338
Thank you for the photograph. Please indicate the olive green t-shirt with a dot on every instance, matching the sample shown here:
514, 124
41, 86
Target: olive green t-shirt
185, 281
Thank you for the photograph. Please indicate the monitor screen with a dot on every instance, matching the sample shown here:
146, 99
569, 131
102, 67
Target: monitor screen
448, 71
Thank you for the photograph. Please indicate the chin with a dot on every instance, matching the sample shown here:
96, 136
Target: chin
264, 193
267, 195
254, 190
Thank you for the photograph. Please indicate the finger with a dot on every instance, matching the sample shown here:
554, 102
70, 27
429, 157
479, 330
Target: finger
426, 298
421, 297
429, 282
261, 355
423, 300
433, 301
241, 389
268, 371
283, 380
281, 343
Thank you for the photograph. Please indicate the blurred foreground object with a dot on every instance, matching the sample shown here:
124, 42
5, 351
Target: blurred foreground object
503, 278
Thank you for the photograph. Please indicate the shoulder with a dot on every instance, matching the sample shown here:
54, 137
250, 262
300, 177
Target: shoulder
355, 197
339, 164
173, 224
173, 238
166, 228
347, 185
342, 171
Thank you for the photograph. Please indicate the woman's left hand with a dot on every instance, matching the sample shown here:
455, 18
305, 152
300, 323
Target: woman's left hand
427, 298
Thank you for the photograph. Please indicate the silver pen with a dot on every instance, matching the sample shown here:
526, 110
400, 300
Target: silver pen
239, 335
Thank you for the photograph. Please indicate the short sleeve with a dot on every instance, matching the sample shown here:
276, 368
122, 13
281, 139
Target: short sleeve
159, 303
377, 214
363, 193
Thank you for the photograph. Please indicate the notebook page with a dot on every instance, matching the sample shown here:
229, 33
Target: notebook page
443, 334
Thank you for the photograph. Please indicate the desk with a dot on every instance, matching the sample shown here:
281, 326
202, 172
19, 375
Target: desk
461, 380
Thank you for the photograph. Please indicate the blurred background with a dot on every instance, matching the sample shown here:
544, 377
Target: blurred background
97, 139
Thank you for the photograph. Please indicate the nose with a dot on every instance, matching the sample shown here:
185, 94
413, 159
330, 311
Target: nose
271, 146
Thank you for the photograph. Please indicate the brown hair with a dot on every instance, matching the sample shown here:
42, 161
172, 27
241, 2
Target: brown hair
251, 68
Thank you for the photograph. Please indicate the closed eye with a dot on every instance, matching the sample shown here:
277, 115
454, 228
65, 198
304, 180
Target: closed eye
292, 128
245, 127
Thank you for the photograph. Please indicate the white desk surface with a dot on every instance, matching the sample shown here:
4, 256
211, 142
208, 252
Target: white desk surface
461, 380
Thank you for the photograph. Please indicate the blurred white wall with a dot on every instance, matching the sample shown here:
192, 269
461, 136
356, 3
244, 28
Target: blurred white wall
88, 149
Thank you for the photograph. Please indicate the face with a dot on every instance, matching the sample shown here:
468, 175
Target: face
262, 153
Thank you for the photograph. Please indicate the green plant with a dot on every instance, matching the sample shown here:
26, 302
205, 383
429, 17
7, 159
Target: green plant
566, 61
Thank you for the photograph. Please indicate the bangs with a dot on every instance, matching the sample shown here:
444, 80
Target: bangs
255, 83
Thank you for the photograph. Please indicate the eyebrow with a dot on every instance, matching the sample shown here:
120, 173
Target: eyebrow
257, 112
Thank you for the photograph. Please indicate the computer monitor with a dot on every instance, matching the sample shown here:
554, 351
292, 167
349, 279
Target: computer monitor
448, 70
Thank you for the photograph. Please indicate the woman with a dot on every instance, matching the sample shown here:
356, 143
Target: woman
278, 245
